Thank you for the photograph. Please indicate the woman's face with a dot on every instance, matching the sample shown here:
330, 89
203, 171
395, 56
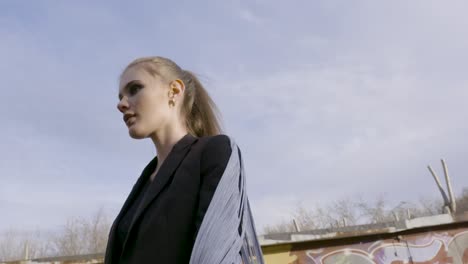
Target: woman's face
143, 102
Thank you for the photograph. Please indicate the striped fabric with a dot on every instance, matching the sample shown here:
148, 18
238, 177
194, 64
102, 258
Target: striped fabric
227, 233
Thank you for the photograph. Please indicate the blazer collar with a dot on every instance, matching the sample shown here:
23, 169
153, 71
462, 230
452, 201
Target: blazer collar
184, 142
165, 173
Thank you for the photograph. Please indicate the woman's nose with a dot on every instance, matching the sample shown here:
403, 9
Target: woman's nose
122, 105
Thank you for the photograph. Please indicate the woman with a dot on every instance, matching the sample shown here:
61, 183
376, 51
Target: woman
189, 205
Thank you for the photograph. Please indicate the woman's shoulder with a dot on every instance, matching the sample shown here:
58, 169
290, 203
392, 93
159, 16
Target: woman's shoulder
216, 146
220, 140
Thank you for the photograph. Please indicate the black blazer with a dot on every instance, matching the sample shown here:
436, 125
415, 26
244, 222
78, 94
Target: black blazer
169, 216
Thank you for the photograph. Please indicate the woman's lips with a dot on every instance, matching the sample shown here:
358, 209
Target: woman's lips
129, 118
130, 121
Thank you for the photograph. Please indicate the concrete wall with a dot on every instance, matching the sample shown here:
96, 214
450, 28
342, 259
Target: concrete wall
448, 244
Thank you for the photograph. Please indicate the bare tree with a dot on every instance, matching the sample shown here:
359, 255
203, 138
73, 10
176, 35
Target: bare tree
355, 211
83, 236
282, 227
72, 239
11, 246
77, 236
97, 231
337, 214
40, 246
344, 212
462, 201
376, 212
305, 219
16, 245
429, 206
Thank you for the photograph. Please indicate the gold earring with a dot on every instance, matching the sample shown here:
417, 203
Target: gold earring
171, 102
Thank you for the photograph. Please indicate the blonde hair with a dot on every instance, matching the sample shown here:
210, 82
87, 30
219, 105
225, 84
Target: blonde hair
198, 109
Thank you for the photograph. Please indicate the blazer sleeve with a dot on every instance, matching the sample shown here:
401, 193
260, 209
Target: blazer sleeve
214, 159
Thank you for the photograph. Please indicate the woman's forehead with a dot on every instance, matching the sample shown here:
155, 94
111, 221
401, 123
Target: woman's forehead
133, 74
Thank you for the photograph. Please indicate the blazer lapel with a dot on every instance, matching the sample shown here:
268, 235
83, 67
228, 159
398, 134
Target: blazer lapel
163, 176
133, 193
138, 185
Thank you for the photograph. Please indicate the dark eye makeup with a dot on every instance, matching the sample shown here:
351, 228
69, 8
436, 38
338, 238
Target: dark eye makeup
134, 88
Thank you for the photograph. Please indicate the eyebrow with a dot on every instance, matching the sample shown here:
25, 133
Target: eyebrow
130, 83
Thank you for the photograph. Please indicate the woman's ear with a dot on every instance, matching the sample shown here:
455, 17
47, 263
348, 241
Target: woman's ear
177, 88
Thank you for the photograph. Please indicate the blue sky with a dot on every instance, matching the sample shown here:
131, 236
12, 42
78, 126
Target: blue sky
327, 99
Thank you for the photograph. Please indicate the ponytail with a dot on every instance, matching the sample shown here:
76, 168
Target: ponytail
201, 113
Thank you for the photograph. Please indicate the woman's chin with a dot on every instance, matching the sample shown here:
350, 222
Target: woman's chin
134, 133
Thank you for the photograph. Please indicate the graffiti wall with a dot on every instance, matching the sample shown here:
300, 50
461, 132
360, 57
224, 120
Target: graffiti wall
446, 246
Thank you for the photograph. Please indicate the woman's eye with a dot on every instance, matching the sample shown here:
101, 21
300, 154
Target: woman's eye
132, 90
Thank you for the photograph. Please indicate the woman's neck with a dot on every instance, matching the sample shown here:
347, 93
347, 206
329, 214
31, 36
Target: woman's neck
165, 140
